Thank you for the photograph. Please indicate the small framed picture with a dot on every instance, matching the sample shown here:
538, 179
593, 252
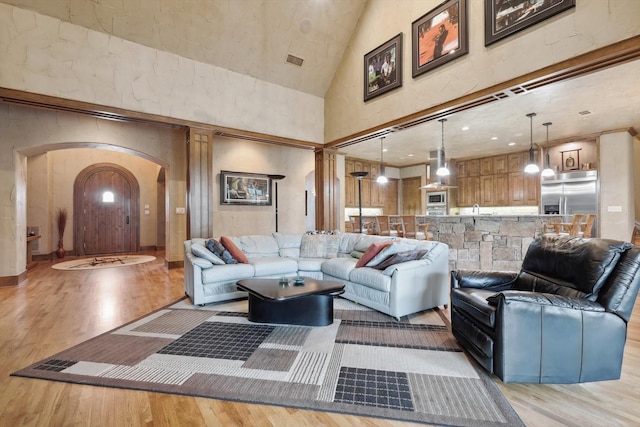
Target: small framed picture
383, 68
439, 36
570, 160
243, 188
505, 17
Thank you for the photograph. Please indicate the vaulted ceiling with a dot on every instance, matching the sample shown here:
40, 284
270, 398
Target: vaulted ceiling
255, 37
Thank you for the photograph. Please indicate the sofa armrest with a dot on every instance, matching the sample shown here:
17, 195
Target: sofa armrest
494, 280
543, 299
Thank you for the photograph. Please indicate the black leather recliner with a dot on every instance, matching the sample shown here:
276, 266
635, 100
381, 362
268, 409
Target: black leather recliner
561, 319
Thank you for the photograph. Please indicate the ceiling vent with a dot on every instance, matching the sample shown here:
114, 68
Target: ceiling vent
294, 60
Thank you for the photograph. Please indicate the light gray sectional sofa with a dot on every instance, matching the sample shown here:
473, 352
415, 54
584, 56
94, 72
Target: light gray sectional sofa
397, 290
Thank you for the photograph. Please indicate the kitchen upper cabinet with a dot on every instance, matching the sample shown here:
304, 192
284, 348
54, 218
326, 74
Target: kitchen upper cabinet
531, 189
374, 170
500, 164
501, 188
486, 166
361, 166
487, 190
468, 191
516, 162
516, 188
467, 168
366, 192
350, 191
348, 167
378, 192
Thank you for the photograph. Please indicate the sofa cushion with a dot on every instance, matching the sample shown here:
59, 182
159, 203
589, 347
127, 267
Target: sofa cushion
202, 252
392, 249
288, 241
371, 278
348, 243
401, 257
339, 267
569, 266
310, 264
366, 240
200, 262
269, 266
235, 251
220, 251
373, 250
474, 303
319, 246
258, 245
227, 273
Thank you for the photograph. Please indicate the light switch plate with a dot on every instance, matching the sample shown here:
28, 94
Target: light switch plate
614, 208
180, 211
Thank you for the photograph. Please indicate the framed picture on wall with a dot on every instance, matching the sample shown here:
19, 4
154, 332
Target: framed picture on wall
505, 17
383, 68
439, 36
244, 188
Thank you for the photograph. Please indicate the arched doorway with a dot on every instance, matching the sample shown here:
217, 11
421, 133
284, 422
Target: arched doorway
106, 210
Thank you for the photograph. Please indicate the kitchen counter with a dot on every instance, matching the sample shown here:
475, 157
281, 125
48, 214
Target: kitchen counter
487, 242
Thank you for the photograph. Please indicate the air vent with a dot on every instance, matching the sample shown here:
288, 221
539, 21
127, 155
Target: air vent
294, 60
584, 113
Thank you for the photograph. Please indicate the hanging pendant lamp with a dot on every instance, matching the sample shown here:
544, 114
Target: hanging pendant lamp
547, 171
442, 166
531, 167
382, 179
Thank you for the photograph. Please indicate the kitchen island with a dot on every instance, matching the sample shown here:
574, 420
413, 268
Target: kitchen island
487, 242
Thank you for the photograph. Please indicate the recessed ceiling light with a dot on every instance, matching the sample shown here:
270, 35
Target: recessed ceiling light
465, 128
512, 143
493, 138
410, 155
384, 150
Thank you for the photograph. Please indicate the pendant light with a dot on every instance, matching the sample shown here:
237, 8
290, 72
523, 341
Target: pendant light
382, 179
531, 166
547, 171
442, 166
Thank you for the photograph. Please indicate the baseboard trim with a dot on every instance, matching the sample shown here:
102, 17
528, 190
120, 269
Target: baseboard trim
173, 264
10, 281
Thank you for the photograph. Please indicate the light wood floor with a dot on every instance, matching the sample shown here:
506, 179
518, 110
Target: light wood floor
53, 310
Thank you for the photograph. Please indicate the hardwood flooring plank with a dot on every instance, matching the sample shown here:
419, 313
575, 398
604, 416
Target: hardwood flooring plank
53, 310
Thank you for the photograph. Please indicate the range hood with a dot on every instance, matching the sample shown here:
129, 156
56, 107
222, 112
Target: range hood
435, 182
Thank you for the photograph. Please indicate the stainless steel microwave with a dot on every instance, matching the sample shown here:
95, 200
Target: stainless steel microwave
437, 198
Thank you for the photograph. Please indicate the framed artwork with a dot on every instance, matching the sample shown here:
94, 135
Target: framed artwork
439, 36
383, 68
570, 160
243, 188
505, 17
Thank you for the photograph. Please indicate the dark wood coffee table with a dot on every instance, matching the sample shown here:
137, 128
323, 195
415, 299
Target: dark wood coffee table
309, 304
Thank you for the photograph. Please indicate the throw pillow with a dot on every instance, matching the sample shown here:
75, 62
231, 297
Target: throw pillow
401, 257
392, 249
219, 250
373, 250
234, 250
202, 252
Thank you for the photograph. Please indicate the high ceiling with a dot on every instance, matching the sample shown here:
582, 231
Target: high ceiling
254, 37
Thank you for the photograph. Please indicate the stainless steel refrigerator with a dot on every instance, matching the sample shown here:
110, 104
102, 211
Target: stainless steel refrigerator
571, 193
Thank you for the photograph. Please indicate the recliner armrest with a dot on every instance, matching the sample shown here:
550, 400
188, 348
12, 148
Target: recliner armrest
545, 299
495, 280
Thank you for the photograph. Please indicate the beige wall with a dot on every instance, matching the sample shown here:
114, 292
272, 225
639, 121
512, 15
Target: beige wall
616, 186
51, 178
44, 55
590, 25
245, 156
36, 133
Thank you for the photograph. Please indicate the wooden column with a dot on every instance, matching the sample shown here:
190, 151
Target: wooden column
327, 194
199, 183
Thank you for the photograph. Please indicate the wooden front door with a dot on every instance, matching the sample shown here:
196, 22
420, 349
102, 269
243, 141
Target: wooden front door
105, 209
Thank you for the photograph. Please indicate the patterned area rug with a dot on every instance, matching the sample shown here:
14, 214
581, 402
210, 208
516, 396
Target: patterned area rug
365, 363
102, 262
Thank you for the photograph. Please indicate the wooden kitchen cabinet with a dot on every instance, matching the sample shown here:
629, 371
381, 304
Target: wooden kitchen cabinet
487, 166
468, 191
516, 189
500, 164
467, 168
487, 190
350, 191
501, 187
516, 162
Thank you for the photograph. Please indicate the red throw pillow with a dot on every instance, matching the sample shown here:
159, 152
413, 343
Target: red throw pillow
234, 250
371, 252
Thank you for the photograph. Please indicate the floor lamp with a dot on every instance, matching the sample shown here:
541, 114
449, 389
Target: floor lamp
276, 178
359, 176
